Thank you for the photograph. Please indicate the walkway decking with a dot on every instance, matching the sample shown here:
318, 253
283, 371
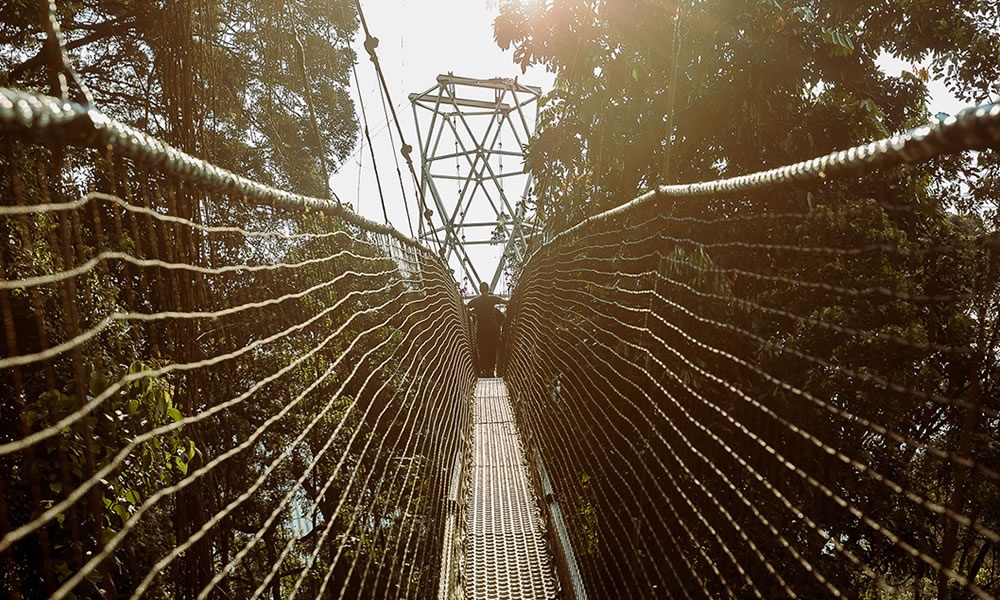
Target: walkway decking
505, 555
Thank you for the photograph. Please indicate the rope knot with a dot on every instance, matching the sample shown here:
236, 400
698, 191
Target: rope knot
370, 44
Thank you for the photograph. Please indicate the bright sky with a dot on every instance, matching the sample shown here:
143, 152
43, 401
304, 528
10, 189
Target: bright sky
419, 39
941, 99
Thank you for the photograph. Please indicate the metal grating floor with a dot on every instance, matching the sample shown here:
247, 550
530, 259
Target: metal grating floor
506, 556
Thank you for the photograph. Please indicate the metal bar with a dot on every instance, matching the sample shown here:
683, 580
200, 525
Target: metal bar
520, 144
450, 219
515, 230
466, 177
456, 154
430, 128
489, 168
566, 562
527, 184
423, 168
480, 147
459, 248
464, 225
498, 119
499, 83
484, 113
480, 242
472, 164
472, 103
524, 120
476, 152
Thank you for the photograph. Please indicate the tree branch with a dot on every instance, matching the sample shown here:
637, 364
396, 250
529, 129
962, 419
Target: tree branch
100, 31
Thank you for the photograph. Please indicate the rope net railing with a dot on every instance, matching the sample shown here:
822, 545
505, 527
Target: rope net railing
752, 389
211, 388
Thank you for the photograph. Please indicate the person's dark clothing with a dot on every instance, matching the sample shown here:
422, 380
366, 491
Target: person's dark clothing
500, 319
487, 331
484, 309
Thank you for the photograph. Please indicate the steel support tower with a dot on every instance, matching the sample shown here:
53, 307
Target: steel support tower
483, 202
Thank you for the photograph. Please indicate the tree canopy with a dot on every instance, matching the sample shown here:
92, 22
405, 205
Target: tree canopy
222, 79
294, 342
651, 92
663, 328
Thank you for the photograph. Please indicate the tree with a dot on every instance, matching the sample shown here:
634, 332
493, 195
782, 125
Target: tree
664, 92
223, 82
656, 317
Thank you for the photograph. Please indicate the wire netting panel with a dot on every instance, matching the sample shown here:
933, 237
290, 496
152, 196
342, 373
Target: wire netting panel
790, 393
205, 397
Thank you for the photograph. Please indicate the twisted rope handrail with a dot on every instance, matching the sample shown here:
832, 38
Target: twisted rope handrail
973, 128
43, 118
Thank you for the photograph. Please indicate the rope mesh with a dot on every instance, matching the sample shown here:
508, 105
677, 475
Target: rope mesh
765, 394
752, 387
206, 396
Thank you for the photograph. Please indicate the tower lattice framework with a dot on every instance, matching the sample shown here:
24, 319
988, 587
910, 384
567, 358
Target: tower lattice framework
472, 135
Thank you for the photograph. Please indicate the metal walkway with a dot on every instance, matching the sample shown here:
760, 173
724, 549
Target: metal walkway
505, 553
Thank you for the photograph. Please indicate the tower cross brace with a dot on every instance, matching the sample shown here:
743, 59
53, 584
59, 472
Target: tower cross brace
467, 120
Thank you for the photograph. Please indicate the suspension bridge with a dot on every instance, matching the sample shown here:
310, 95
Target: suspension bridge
783, 384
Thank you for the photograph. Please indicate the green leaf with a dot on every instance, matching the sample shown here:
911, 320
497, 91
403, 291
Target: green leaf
805, 13
174, 414
121, 511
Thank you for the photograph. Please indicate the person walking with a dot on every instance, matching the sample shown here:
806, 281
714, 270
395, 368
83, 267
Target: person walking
484, 310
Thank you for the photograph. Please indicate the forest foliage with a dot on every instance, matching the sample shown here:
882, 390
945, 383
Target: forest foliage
674, 337
651, 92
258, 373
221, 79
612, 329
